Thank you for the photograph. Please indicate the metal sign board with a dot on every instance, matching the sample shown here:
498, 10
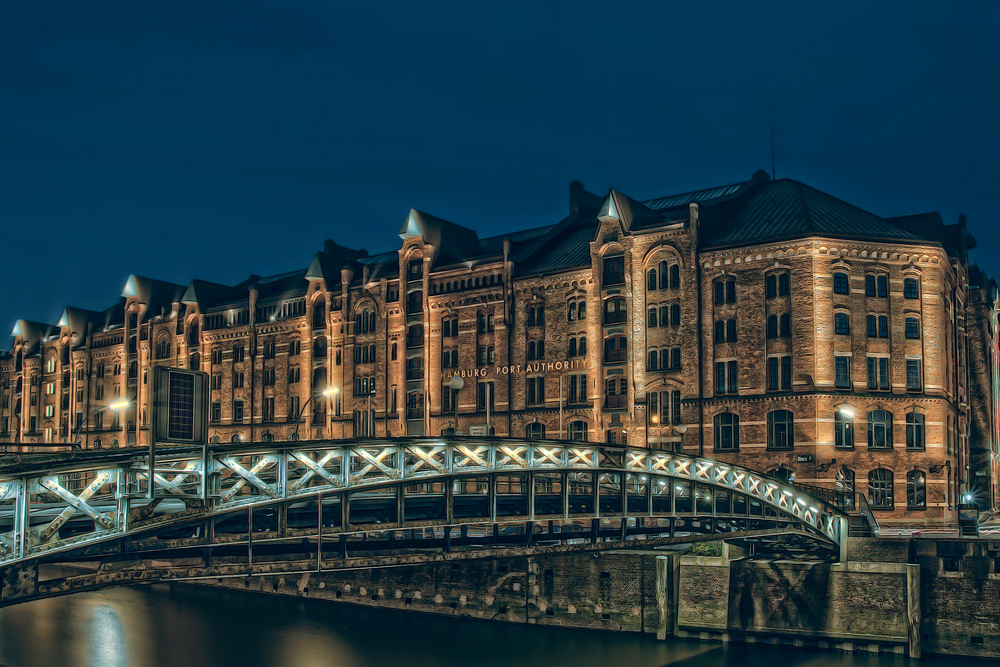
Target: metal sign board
180, 406
477, 430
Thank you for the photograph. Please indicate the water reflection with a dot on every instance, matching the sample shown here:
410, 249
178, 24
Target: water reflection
190, 625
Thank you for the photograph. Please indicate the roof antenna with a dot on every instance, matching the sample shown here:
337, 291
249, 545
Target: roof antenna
773, 133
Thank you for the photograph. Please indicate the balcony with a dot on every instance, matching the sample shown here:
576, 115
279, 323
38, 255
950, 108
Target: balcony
619, 402
615, 356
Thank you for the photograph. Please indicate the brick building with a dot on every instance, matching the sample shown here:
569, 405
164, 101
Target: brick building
764, 322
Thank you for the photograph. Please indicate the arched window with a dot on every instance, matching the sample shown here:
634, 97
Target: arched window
236, 438
614, 310
192, 333
782, 474
651, 279
651, 364
842, 324
319, 349
914, 430
675, 315
371, 321
162, 348
267, 437
880, 429
780, 430
916, 490
770, 286
664, 276
880, 489
114, 443
195, 364
675, 276
651, 318
535, 431
843, 427
844, 489
727, 432
319, 313
841, 284
578, 431
572, 347
582, 349
97, 443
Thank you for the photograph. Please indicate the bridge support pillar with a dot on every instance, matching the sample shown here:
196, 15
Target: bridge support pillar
913, 610
668, 575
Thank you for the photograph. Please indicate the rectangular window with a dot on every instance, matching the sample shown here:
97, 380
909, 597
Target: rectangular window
843, 372
913, 379
485, 390
577, 388
293, 406
878, 373
911, 288
871, 321
238, 380
393, 400
720, 378
883, 286
772, 374
238, 411
731, 370
269, 408
731, 291
912, 327
216, 411
883, 326
238, 353
786, 373
268, 377
536, 389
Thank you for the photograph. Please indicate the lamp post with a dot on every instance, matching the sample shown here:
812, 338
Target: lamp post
328, 392
117, 406
456, 383
681, 429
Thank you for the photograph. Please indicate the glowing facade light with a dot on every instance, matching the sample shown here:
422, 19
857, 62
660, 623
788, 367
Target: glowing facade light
118, 406
330, 391
847, 411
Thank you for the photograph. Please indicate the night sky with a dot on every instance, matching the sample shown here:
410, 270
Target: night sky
215, 139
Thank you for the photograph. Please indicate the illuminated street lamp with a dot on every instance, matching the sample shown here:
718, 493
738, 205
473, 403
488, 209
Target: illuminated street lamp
119, 406
327, 393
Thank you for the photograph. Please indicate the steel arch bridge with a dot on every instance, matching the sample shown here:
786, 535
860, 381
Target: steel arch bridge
262, 508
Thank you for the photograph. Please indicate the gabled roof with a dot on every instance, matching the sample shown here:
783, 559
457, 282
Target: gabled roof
205, 294
452, 241
329, 261
33, 333
785, 209
156, 294
77, 319
631, 213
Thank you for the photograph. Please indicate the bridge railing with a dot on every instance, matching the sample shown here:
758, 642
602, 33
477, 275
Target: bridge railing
47, 510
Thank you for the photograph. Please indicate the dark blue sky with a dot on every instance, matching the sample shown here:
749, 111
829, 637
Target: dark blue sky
217, 139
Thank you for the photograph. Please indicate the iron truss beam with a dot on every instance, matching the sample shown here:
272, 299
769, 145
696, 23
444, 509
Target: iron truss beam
83, 501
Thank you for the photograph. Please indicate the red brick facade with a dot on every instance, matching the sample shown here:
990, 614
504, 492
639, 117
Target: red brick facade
727, 351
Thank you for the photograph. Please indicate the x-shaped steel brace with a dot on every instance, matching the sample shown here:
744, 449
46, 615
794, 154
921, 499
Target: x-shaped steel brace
76, 503
374, 462
427, 458
315, 468
249, 476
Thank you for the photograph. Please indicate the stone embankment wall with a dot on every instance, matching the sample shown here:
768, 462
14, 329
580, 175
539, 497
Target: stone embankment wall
921, 596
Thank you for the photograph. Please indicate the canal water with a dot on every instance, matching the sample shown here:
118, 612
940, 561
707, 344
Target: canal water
183, 625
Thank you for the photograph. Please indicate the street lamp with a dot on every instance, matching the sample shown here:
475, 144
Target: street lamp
682, 429
118, 406
328, 392
456, 383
